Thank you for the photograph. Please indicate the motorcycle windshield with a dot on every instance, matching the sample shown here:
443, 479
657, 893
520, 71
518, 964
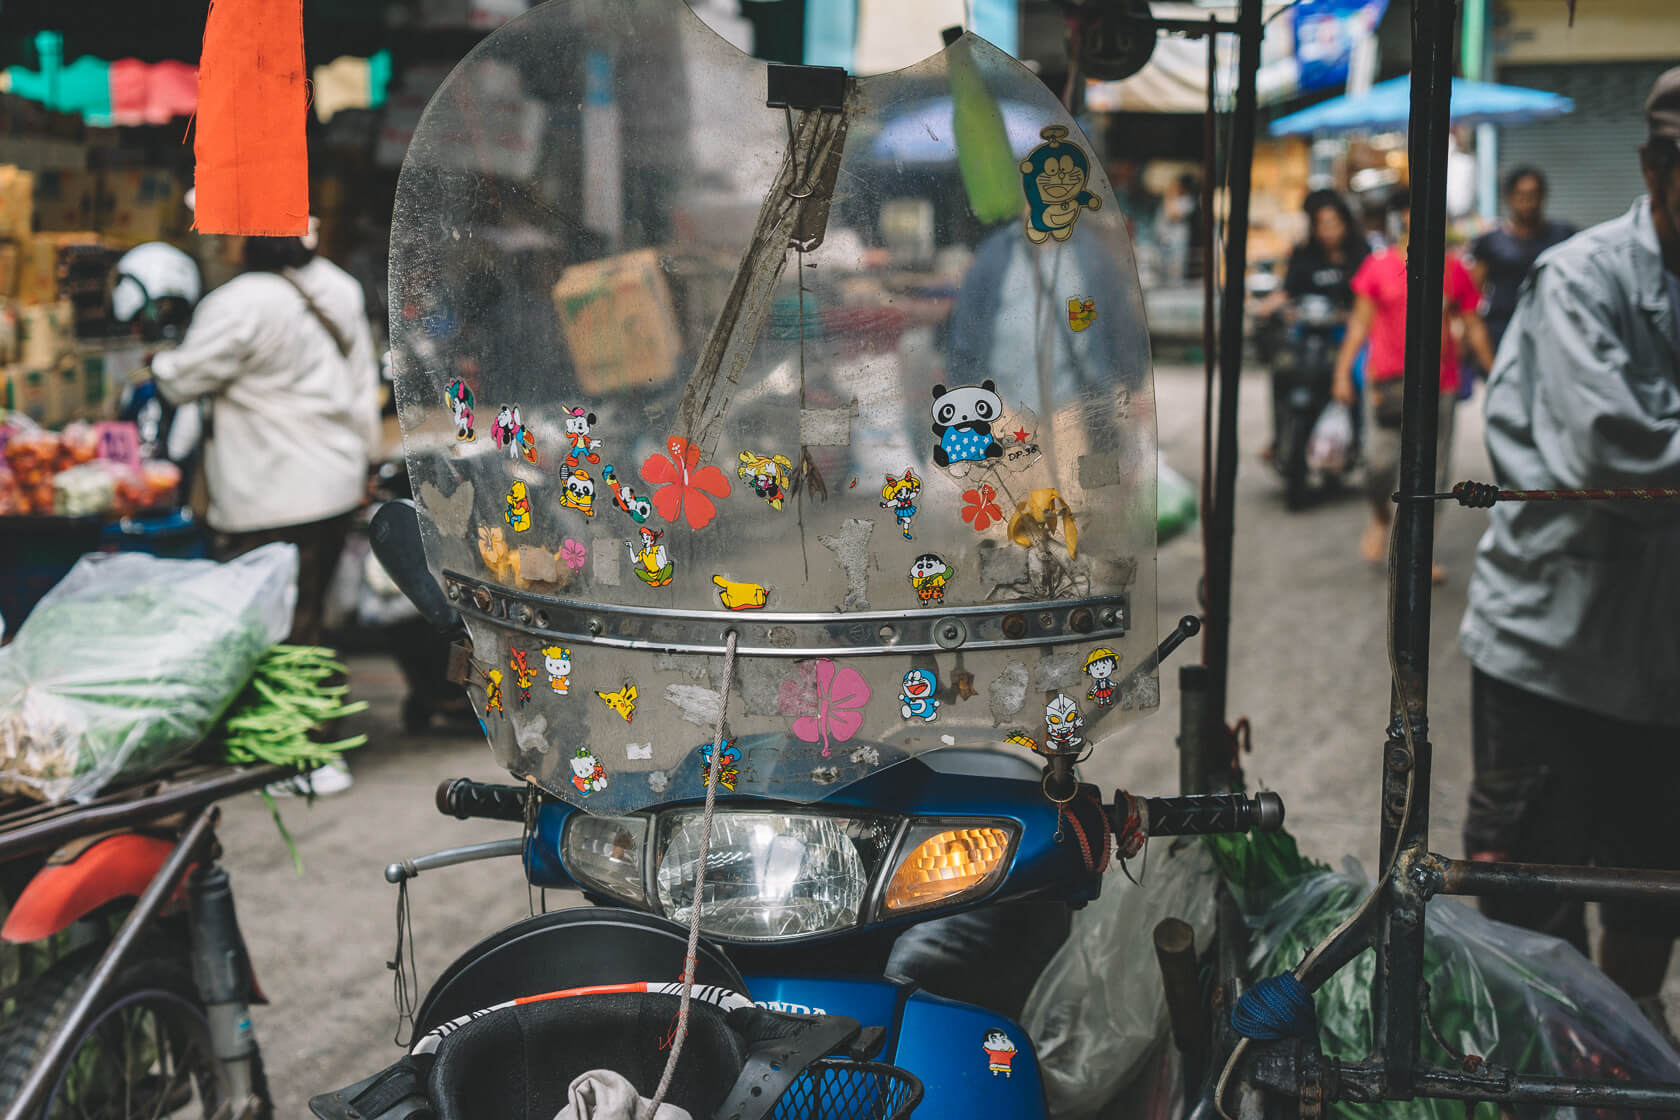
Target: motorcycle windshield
863, 380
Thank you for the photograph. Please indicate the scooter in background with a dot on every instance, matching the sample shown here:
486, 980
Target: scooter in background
1312, 440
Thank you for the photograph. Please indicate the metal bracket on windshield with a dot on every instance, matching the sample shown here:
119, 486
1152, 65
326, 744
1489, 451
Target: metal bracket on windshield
764, 634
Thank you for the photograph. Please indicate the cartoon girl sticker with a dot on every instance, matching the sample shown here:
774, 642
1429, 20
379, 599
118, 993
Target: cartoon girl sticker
588, 775
578, 423
766, 474
460, 401
900, 496
652, 564
518, 512
557, 663
929, 575
729, 767
1101, 666
917, 699
523, 675
1053, 176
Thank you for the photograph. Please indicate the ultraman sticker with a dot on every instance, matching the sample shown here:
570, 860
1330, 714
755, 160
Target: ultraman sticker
917, 699
1053, 177
1100, 666
557, 663
928, 575
588, 775
767, 475
900, 496
1062, 725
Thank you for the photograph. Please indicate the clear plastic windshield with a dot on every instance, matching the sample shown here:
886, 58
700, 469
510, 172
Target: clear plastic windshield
868, 386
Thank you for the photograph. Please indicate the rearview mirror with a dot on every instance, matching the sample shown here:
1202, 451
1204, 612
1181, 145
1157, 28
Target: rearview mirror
395, 535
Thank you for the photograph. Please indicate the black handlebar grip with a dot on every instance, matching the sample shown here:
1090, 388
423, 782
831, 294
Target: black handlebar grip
1210, 813
463, 798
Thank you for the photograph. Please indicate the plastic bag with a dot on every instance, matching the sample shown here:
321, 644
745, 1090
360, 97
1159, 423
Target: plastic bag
1331, 439
1175, 502
130, 661
1098, 1011
1524, 1001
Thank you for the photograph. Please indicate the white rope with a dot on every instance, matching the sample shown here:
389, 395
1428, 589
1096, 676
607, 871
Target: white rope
690, 961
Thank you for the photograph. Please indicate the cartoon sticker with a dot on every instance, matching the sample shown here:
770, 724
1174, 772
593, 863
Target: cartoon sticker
826, 702
1053, 178
652, 564
1082, 313
929, 575
625, 498
460, 401
623, 701
588, 775
1022, 738
578, 423
1000, 1052
1018, 435
523, 675
493, 691
493, 549
1044, 513
579, 493
980, 507
738, 596
557, 663
511, 433
962, 419
917, 699
518, 512
729, 766
1101, 665
900, 495
766, 474
1062, 724
574, 554
682, 487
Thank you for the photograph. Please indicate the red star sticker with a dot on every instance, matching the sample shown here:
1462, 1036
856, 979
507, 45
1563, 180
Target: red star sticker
1020, 435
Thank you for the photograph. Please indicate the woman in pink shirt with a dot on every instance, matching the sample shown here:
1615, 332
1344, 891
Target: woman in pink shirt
1379, 317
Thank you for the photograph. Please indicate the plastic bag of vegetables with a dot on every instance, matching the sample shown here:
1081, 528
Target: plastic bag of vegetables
130, 661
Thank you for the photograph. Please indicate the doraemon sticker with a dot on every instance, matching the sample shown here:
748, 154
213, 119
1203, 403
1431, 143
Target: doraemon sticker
557, 663
518, 511
1053, 177
649, 560
588, 775
511, 433
900, 495
916, 697
1000, 1052
736, 595
928, 575
729, 765
1100, 666
1082, 313
524, 676
459, 398
963, 419
625, 498
584, 447
1062, 725
767, 475
578, 493
493, 691
623, 702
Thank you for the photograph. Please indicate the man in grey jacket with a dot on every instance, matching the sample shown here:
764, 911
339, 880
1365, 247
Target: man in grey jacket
1573, 627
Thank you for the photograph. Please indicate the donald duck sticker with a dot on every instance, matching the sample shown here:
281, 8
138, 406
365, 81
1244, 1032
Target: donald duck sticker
1053, 176
652, 564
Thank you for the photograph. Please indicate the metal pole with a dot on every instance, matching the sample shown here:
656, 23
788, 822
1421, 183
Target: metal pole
1406, 758
151, 901
1222, 516
1590, 884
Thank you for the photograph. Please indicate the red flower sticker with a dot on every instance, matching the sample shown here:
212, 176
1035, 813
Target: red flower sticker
980, 507
682, 487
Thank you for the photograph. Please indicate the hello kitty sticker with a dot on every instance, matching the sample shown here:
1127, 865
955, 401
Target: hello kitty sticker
557, 663
588, 775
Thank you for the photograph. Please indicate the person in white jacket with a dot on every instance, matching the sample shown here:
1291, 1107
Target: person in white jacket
283, 356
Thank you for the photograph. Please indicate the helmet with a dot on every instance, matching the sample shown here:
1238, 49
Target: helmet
156, 280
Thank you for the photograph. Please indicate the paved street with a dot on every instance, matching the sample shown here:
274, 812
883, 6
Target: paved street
1308, 670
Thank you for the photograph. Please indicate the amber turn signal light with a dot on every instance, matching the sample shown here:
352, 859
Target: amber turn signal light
945, 864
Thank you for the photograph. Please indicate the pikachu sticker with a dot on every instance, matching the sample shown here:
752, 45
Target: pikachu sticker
622, 702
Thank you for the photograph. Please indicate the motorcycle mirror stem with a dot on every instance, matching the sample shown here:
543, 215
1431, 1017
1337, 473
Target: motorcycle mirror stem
395, 535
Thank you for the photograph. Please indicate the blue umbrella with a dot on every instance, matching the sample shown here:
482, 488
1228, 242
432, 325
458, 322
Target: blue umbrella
1387, 107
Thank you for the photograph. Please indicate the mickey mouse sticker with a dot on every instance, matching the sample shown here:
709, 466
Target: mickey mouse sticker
1053, 176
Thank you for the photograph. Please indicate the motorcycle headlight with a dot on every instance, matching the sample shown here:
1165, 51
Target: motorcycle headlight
769, 875
606, 854
941, 864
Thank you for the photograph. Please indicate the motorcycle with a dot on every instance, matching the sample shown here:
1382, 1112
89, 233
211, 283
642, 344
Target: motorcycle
1303, 368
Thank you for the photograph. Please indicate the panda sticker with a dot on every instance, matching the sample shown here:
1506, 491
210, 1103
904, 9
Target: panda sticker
579, 493
962, 419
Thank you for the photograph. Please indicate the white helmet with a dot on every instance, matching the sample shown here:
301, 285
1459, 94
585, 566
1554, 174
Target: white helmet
151, 272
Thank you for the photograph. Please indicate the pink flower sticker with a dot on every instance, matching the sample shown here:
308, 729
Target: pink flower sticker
573, 553
826, 701
682, 487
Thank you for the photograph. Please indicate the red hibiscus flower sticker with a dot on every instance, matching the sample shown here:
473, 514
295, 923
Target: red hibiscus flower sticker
826, 700
682, 487
980, 507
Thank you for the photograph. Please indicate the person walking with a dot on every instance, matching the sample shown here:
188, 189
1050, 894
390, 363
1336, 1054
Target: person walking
1501, 258
1379, 316
1575, 717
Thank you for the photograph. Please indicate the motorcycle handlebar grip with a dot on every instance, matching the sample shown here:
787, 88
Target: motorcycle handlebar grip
1210, 813
463, 798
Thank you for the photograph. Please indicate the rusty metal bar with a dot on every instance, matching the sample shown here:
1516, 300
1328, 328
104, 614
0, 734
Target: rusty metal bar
1590, 884
1175, 951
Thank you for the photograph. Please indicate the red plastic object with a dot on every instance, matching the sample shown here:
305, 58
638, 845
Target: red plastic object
117, 867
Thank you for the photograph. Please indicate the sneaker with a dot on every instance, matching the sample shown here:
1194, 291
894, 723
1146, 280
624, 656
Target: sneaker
320, 782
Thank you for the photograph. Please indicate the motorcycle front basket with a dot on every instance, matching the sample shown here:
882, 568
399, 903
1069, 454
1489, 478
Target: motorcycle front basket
842, 1089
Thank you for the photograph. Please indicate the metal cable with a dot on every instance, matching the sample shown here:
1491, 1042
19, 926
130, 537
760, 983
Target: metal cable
690, 961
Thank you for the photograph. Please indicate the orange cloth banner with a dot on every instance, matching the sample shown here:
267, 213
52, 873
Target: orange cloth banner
252, 159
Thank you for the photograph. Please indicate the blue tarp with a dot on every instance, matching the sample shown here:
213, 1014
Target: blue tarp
1387, 106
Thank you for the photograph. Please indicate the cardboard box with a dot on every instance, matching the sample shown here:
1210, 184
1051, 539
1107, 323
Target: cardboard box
618, 321
8, 269
63, 391
66, 200
8, 334
38, 261
17, 203
93, 382
140, 204
26, 392
45, 334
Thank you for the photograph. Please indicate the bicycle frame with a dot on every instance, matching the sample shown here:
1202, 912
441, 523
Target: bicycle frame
216, 940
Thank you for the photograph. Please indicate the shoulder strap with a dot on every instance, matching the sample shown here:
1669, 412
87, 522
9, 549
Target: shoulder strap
340, 339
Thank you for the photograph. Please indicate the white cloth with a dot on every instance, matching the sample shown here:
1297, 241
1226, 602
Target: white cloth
602, 1094
293, 423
